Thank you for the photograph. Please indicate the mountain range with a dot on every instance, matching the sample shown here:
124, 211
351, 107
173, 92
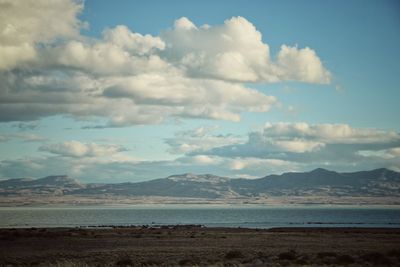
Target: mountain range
319, 182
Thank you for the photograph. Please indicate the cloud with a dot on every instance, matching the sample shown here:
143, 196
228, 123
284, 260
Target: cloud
24, 24
25, 126
199, 160
78, 150
235, 51
25, 137
245, 163
394, 152
129, 78
157, 92
329, 133
301, 65
29, 137
199, 139
258, 156
391, 153
339, 146
105, 169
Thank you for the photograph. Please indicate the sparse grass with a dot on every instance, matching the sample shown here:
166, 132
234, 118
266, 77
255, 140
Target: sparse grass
142, 247
345, 259
395, 253
234, 254
302, 260
376, 258
326, 254
64, 263
186, 262
288, 255
125, 261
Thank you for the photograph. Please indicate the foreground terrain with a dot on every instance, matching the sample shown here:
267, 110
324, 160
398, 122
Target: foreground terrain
199, 246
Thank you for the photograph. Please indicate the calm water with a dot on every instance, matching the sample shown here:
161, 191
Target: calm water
221, 216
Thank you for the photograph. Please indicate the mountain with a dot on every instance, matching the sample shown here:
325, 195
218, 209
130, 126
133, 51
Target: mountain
319, 182
56, 185
185, 185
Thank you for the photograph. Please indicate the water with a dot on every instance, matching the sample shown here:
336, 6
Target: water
213, 216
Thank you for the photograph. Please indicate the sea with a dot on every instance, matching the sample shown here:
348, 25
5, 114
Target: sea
245, 216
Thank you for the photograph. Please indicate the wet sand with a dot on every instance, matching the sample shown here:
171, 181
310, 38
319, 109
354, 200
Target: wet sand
199, 246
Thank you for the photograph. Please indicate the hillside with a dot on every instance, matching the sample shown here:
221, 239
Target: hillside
319, 182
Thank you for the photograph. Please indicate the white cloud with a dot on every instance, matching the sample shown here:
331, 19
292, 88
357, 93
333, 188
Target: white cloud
23, 24
390, 153
29, 137
338, 146
298, 145
250, 162
199, 139
328, 133
25, 137
301, 65
78, 149
119, 52
200, 160
394, 152
184, 24
135, 43
235, 51
49, 69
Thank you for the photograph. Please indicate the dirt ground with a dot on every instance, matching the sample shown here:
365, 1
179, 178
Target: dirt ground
199, 246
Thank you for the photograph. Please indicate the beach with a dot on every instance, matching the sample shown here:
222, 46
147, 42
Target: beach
194, 245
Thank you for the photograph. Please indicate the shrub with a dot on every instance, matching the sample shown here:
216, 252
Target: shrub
376, 258
345, 259
186, 262
234, 254
322, 255
394, 253
288, 255
124, 262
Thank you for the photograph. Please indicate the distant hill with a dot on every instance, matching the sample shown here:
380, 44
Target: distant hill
319, 182
53, 185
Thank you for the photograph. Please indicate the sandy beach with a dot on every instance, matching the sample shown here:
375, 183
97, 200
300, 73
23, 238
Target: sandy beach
199, 246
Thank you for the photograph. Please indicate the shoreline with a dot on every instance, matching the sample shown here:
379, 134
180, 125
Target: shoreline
82, 200
200, 205
194, 245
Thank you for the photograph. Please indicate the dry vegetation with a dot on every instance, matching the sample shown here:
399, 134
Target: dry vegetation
198, 246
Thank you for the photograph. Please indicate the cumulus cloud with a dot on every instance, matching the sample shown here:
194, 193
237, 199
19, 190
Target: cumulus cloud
301, 65
24, 24
129, 78
79, 150
235, 51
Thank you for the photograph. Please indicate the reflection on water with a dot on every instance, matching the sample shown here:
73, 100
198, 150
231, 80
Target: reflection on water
218, 216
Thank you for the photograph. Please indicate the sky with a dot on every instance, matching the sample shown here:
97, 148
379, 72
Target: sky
115, 91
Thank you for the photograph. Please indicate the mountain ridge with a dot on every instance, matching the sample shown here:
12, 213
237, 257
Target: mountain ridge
318, 182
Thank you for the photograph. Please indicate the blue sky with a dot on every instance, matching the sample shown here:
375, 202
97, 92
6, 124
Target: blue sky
136, 90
